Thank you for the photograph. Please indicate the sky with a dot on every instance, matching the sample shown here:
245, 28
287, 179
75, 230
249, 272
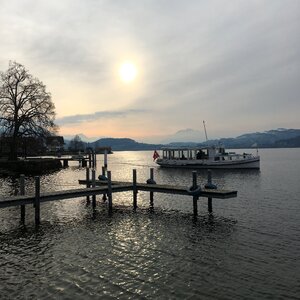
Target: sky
234, 64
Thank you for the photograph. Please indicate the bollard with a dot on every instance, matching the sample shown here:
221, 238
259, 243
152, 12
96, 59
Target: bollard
134, 189
109, 191
22, 192
103, 176
94, 185
37, 200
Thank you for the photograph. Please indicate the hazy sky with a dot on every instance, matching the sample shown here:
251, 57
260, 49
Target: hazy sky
234, 64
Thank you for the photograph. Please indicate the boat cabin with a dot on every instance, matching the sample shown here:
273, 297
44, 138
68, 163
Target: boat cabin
207, 153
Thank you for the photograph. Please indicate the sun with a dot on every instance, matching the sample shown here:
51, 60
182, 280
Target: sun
127, 71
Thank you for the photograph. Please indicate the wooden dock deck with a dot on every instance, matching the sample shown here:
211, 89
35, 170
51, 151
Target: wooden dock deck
168, 189
108, 188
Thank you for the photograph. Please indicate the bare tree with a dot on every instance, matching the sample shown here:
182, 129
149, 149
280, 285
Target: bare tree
26, 109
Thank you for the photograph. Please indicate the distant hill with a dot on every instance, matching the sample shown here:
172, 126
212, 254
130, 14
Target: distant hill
268, 139
280, 138
124, 144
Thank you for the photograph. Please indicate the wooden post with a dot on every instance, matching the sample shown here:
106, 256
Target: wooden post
66, 164
87, 184
195, 198
22, 192
134, 188
37, 200
109, 191
209, 200
83, 163
103, 174
94, 185
90, 160
105, 159
95, 159
151, 193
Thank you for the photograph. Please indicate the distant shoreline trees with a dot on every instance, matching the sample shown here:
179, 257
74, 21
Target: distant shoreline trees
26, 108
76, 144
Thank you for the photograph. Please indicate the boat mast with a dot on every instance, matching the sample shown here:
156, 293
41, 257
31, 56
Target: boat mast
205, 131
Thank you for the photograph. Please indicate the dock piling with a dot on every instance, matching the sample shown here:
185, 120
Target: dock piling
134, 188
109, 191
195, 197
209, 200
65, 163
22, 192
105, 159
151, 193
37, 200
94, 158
87, 184
94, 185
90, 159
104, 198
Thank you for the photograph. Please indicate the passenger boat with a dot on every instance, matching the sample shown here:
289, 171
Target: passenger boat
211, 157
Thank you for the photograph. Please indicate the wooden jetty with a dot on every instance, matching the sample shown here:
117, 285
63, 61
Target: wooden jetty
83, 160
108, 188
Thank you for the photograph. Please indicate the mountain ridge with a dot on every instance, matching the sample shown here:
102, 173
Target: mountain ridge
275, 138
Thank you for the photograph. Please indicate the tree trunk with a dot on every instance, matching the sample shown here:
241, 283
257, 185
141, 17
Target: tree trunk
13, 155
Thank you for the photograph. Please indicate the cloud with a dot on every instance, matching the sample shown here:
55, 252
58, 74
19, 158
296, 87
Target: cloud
76, 119
211, 60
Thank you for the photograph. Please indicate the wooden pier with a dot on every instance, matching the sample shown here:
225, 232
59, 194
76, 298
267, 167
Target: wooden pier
84, 160
108, 188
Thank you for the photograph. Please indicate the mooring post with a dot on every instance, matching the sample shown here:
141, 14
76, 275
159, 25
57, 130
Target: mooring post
95, 159
103, 174
90, 160
94, 185
134, 188
87, 184
83, 163
109, 191
195, 197
66, 163
37, 200
22, 192
105, 159
151, 193
209, 200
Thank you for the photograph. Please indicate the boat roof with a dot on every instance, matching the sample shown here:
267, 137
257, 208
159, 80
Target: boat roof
188, 148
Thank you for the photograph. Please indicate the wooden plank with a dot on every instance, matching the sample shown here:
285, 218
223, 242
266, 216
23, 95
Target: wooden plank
61, 195
180, 190
170, 189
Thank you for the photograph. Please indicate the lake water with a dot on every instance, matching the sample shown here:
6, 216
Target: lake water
248, 249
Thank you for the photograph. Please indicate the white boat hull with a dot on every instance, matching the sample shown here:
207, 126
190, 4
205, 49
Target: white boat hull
251, 163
